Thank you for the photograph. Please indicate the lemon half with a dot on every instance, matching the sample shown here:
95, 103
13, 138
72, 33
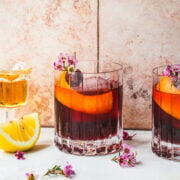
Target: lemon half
20, 134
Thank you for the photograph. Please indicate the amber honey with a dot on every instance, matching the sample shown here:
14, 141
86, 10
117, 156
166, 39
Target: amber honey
13, 94
13, 88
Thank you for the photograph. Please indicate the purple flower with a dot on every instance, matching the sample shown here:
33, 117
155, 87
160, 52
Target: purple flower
65, 62
62, 57
72, 60
167, 71
126, 136
127, 149
31, 176
131, 160
172, 71
122, 160
68, 171
19, 155
58, 66
127, 158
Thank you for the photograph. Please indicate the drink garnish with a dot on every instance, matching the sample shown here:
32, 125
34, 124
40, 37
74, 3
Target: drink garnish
167, 88
68, 63
172, 71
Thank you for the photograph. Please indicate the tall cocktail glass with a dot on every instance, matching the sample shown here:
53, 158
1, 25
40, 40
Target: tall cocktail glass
13, 90
166, 112
88, 108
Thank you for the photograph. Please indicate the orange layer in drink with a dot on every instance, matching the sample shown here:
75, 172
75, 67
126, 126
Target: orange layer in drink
167, 96
170, 103
92, 104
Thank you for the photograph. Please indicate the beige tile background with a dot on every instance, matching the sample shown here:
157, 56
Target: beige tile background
140, 34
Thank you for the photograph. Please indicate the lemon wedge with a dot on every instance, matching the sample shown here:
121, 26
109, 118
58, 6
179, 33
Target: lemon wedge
20, 134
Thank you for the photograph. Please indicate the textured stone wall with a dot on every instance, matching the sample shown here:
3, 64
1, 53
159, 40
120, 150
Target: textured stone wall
139, 34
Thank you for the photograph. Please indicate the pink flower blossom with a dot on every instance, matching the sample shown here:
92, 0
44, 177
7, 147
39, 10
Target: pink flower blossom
72, 60
122, 160
68, 171
62, 57
31, 176
127, 158
126, 136
19, 155
127, 149
131, 160
172, 71
65, 62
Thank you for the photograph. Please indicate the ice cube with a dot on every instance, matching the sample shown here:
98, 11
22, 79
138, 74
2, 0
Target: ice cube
96, 85
19, 66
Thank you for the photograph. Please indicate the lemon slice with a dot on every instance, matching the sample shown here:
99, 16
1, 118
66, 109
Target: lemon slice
20, 134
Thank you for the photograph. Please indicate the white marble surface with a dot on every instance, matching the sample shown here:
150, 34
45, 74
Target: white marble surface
45, 155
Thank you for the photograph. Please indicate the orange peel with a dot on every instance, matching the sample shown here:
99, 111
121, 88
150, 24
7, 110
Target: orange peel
92, 104
167, 96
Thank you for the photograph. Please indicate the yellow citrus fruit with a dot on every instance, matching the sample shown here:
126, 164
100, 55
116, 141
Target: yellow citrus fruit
20, 134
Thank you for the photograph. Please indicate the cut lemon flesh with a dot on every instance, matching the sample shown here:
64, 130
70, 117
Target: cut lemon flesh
21, 134
167, 96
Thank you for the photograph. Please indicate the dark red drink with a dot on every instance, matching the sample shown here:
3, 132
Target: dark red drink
88, 115
166, 126
78, 125
166, 116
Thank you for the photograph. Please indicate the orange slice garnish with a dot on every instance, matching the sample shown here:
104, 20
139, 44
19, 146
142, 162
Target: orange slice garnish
167, 96
94, 104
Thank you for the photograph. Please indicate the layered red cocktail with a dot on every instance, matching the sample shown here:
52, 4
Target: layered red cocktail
166, 113
88, 112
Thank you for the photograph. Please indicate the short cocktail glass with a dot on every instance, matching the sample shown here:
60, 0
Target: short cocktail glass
88, 109
166, 112
13, 90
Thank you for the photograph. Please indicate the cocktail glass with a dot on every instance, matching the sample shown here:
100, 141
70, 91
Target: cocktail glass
88, 109
166, 112
13, 90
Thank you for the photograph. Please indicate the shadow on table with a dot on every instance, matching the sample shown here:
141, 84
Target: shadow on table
38, 147
138, 142
34, 149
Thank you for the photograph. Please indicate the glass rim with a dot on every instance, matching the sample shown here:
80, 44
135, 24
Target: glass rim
156, 68
119, 68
